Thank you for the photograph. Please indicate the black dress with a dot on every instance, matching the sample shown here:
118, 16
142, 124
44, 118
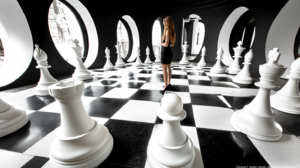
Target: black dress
166, 54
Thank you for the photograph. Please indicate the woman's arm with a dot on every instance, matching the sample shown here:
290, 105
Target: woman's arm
167, 39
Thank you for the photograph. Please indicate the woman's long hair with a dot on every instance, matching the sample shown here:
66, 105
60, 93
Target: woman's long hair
169, 25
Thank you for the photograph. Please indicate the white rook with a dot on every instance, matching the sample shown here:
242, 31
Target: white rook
287, 99
80, 141
257, 118
170, 146
108, 65
235, 68
217, 68
45, 79
244, 76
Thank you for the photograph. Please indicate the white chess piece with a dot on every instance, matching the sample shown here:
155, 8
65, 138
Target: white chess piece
202, 62
80, 73
80, 141
235, 68
138, 62
120, 63
108, 65
170, 146
148, 61
217, 68
244, 76
184, 60
158, 60
257, 118
45, 79
287, 99
11, 119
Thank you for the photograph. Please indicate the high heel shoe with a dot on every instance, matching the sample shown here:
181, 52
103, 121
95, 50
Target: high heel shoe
169, 84
166, 89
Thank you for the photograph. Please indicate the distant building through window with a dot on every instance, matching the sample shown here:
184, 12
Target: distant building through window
122, 37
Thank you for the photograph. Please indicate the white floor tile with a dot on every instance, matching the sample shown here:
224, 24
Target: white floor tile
13, 159
120, 93
143, 75
194, 77
141, 111
153, 86
179, 81
212, 117
29, 111
176, 72
215, 75
47, 165
185, 97
15, 97
98, 83
55, 106
225, 84
224, 101
285, 152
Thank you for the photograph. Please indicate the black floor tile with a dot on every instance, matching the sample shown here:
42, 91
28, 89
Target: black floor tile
180, 88
200, 82
223, 79
108, 82
104, 107
146, 72
179, 77
238, 102
36, 162
135, 85
138, 78
224, 84
34, 102
154, 79
94, 79
130, 147
40, 124
207, 100
96, 91
228, 149
289, 122
196, 73
252, 85
111, 165
97, 70
150, 95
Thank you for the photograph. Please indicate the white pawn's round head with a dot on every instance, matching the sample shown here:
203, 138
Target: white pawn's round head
249, 55
171, 104
203, 49
39, 54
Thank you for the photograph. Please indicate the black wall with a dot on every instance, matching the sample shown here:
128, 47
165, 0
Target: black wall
106, 15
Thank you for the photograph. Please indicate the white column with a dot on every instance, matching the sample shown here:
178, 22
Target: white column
80, 141
257, 119
108, 65
244, 76
170, 146
45, 79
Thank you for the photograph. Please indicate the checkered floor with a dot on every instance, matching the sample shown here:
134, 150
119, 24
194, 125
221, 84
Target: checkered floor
126, 101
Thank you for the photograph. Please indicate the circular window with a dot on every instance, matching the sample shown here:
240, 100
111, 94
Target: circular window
156, 34
66, 31
123, 39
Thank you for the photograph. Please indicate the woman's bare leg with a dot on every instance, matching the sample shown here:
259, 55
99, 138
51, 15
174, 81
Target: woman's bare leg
165, 73
169, 73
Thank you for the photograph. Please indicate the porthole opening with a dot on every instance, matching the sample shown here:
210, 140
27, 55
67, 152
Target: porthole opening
157, 31
123, 39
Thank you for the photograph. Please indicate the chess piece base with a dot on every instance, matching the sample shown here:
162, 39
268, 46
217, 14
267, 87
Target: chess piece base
261, 127
42, 88
106, 68
85, 146
287, 104
184, 63
120, 65
81, 75
233, 71
217, 70
14, 120
138, 65
242, 80
201, 64
147, 64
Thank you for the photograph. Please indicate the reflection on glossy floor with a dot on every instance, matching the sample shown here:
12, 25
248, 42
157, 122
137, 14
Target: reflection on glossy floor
126, 101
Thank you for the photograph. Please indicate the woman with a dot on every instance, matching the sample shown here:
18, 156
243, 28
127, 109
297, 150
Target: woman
168, 40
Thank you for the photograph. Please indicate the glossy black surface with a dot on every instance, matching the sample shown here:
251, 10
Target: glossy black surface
146, 72
179, 77
224, 79
130, 149
36, 162
179, 88
96, 70
238, 102
247, 86
153, 79
104, 107
224, 84
92, 80
206, 100
289, 122
108, 82
150, 95
135, 85
200, 82
34, 102
112, 165
96, 91
228, 149
138, 78
40, 124
196, 73
117, 77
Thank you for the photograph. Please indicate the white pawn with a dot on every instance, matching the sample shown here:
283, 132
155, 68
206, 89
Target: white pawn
46, 79
217, 68
108, 65
244, 76
184, 60
120, 63
287, 99
11, 119
158, 54
235, 68
170, 146
138, 62
257, 118
80, 141
148, 61
202, 62
80, 73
